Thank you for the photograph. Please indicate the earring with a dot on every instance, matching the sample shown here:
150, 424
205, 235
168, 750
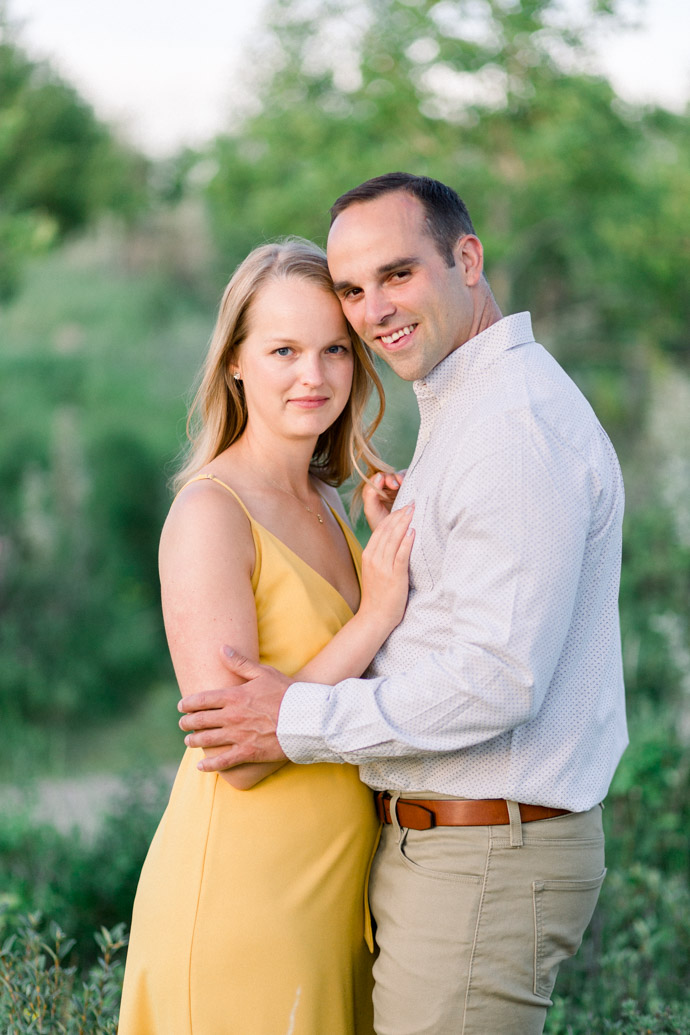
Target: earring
237, 376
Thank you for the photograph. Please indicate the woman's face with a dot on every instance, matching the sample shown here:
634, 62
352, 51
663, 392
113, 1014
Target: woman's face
296, 362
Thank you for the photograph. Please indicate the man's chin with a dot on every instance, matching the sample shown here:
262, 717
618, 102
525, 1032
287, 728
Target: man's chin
408, 368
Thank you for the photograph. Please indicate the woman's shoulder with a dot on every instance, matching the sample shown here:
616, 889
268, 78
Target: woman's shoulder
209, 489
206, 507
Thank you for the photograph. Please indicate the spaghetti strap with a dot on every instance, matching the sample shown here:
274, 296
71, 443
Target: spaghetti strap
212, 478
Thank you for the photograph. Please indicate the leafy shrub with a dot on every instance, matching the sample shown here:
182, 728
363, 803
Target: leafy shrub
85, 884
41, 994
565, 1018
630, 973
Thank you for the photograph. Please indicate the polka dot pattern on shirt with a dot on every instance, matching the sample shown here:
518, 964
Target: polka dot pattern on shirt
504, 679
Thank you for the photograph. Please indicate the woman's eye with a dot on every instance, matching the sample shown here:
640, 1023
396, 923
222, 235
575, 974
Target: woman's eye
284, 350
335, 350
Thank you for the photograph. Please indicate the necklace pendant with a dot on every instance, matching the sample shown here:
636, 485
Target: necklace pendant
319, 517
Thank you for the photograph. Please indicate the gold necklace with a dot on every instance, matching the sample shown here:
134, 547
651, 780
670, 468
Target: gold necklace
289, 493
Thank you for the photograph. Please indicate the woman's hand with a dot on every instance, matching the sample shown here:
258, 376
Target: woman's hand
378, 496
385, 570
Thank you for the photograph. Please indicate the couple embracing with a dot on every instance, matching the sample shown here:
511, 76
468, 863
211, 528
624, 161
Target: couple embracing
440, 757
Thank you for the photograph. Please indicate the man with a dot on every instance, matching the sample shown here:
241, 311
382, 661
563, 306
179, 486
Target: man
493, 718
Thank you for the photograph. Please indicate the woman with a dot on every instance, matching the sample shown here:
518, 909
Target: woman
250, 916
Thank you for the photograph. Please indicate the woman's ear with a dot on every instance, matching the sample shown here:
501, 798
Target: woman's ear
233, 371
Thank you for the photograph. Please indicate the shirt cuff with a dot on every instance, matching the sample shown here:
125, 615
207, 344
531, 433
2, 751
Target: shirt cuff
301, 723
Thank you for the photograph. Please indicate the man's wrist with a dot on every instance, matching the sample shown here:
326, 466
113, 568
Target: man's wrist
301, 722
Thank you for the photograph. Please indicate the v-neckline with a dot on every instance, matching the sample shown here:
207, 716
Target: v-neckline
345, 530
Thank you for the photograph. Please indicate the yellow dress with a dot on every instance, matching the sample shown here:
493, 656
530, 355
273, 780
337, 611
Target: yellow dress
250, 915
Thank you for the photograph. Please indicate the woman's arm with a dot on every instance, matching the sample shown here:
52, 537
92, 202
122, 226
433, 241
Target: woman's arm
206, 561
385, 582
385, 564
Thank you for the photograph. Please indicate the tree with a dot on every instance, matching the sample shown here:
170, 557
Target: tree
59, 166
576, 195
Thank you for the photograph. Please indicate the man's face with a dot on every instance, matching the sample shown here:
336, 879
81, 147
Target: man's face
395, 287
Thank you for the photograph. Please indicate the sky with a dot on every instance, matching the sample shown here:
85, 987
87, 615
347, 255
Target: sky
166, 71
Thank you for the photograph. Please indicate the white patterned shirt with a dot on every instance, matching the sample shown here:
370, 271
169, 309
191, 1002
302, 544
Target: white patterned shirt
504, 679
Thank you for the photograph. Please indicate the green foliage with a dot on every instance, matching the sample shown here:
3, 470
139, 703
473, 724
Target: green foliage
655, 603
576, 196
94, 366
85, 883
631, 967
633, 1019
59, 166
41, 995
581, 202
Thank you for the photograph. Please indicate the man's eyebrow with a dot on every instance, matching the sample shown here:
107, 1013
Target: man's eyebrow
388, 267
341, 285
396, 264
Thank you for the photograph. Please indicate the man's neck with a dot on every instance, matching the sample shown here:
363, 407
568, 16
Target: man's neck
487, 315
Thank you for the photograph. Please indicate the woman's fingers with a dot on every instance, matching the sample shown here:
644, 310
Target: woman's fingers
386, 540
379, 494
402, 556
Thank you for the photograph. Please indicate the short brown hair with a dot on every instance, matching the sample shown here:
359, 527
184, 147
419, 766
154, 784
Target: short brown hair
446, 214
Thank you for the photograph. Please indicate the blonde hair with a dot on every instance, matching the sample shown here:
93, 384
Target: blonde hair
218, 414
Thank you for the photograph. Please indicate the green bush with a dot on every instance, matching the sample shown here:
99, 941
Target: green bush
40, 994
630, 973
84, 884
633, 1019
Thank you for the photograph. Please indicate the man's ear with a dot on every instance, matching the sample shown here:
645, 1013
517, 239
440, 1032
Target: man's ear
469, 256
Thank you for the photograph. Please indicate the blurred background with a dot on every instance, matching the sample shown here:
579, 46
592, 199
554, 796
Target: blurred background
144, 149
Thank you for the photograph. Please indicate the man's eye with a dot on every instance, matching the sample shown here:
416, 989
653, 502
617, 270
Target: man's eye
400, 274
352, 293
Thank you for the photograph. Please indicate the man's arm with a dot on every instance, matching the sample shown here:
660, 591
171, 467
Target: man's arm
510, 574
244, 720
510, 591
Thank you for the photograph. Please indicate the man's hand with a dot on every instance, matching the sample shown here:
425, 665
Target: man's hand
243, 718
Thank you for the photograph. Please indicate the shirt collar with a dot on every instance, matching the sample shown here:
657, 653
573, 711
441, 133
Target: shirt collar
472, 358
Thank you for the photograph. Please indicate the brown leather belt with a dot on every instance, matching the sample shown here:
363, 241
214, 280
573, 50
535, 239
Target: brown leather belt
442, 812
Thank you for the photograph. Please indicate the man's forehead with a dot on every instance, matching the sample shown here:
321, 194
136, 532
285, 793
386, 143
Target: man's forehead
376, 232
397, 205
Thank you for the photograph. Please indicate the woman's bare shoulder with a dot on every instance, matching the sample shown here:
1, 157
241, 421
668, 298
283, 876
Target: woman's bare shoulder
206, 516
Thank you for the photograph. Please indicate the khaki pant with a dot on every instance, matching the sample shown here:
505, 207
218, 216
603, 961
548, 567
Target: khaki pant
473, 922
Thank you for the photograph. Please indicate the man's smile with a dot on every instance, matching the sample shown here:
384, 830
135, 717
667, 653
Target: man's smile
395, 336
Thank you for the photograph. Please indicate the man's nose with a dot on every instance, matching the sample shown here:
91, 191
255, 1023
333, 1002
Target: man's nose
378, 307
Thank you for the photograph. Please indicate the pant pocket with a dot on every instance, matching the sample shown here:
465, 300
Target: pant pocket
562, 911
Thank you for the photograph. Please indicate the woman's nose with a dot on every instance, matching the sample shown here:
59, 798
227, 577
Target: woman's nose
311, 371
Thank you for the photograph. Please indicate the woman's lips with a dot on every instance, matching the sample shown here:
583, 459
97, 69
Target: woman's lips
309, 402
